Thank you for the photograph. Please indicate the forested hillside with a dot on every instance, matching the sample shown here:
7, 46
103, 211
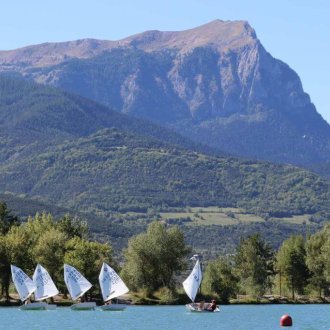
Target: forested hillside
114, 170
69, 152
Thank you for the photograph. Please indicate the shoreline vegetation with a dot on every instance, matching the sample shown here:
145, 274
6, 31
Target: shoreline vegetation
135, 299
156, 261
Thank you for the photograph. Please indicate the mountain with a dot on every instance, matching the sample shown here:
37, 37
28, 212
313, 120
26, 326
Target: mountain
215, 84
118, 171
322, 169
33, 117
66, 150
24, 207
63, 153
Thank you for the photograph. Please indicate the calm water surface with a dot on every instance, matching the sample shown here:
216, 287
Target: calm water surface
173, 317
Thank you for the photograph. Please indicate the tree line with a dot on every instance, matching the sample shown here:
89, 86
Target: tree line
300, 266
157, 259
51, 243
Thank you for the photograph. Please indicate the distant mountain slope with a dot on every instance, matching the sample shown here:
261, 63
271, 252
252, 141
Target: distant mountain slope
63, 152
24, 207
115, 170
215, 84
33, 116
322, 169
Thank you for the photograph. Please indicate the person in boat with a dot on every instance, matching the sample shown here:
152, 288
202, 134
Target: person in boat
108, 302
212, 306
201, 305
27, 301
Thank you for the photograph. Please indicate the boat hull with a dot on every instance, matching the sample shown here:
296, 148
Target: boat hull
196, 309
113, 307
41, 306
85, 306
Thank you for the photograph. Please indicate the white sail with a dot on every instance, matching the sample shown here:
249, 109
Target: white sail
45, 285
112, 285
193, 281
23, 284
75, 282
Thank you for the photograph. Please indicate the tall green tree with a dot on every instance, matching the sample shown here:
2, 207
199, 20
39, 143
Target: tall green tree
17, 252
7, 220
49, 251
254, 264
219, 279
37, 226
153, 258
87, 256
72, 226
4, 265
316, 259
291, 264
326, 259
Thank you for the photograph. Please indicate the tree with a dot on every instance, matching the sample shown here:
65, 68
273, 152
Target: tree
325, 253
37, 226
291, 264
152, 258
3, 267
7, 220
254, 264
87, 256
220, 279
72, 226
316, 259
49, 251
17, 252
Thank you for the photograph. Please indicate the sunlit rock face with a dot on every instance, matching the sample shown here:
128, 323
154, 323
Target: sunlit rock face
215, 84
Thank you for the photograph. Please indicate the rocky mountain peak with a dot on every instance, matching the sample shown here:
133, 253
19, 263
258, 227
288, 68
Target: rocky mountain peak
214, 84
221, 34
53, 53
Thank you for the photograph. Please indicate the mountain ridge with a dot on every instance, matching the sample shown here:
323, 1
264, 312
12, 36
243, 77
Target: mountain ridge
89, 47
215, 84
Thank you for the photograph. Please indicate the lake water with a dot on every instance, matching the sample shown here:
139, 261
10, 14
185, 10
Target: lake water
253, 317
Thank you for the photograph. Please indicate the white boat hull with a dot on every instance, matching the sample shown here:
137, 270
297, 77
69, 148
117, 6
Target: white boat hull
196, 309
37, 306
113, 307
85, 306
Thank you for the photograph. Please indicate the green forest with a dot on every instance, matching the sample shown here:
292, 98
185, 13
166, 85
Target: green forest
65, 150
156, 261
118, 171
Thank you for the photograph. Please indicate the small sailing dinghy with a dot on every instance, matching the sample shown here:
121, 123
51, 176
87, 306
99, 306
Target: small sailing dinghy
112, 286
77, 285
25, 288
191, 286
45, 287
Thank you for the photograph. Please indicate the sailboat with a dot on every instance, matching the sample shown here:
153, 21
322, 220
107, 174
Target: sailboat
112, 286
25, 288
45, 287
77, 285
191, 286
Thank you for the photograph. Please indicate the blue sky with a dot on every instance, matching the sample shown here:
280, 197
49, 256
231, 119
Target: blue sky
297, 32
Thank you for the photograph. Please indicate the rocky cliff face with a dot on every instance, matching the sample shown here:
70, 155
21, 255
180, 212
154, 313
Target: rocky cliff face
215, 84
